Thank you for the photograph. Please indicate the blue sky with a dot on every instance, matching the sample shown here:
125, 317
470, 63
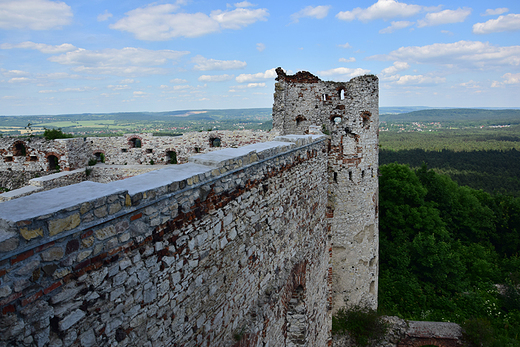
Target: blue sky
81, 56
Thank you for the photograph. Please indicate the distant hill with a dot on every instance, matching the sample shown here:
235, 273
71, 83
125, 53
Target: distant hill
457, 115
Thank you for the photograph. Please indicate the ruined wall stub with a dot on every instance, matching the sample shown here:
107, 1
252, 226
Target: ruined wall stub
349, 111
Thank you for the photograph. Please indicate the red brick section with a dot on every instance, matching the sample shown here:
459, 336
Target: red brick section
22, 256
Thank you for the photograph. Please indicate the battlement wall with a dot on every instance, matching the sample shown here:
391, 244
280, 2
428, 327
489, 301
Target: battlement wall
235, 241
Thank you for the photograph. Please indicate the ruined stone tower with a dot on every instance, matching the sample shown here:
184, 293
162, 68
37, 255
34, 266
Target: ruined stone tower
349, 112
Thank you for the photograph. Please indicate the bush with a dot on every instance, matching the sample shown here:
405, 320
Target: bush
477, 332
363, 324
92, 162
53, 134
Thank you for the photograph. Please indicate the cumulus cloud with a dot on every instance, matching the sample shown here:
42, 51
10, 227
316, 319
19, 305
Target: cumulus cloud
343, 71
509, 78
260, 47
382, 9
268, 74
34, 14
463, 53
497, 11
511, 22
126, 61
419, 80
397, 67
318, 12
162, 22
19, 80
345, 45
118, 86
349, 60
204, 64
395, 26
215, 78
249, 85
42, 47
104, 16
444, 17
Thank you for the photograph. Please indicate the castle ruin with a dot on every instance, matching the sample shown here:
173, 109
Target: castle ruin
246, 246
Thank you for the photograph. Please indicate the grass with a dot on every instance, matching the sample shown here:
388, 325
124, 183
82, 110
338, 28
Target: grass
363, 324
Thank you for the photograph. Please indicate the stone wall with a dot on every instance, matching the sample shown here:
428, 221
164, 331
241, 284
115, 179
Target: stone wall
22, 159
144, 149
349, 111
232, 246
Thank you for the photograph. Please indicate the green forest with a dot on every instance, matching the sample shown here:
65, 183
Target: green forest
450, 221
449, 253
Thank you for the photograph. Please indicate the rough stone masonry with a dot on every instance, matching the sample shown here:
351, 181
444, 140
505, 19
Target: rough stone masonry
232, 248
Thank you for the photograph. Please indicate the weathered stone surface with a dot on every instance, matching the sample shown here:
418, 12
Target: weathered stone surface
57, 226
30, 234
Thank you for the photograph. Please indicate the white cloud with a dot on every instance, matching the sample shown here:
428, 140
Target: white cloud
79, 89
160, 22
34, 14
204, 64
238, 18
494, 12
397, 67
249, 85
125, 61
470, 85
444, 17
462, 54
343, 71
118, 87
345, 45
382, 9
104, 16
47, 91
19, 80
139, 94
215, 78
42, 47
178, 81
511, 78
127, 80
419, 80
268, 74
395, 26
244, 4
349, 60
260, 47
14, 73
318, 12
511, 22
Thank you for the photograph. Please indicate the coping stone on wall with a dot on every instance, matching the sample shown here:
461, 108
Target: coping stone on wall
54, 200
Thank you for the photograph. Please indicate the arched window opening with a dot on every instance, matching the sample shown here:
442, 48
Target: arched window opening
33, 158
53, 163
342, 94
197, 149
337, 120
172, 157
300, 119
149, 150
19, 150
135, 142
214, 142
100, 157
324, 97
